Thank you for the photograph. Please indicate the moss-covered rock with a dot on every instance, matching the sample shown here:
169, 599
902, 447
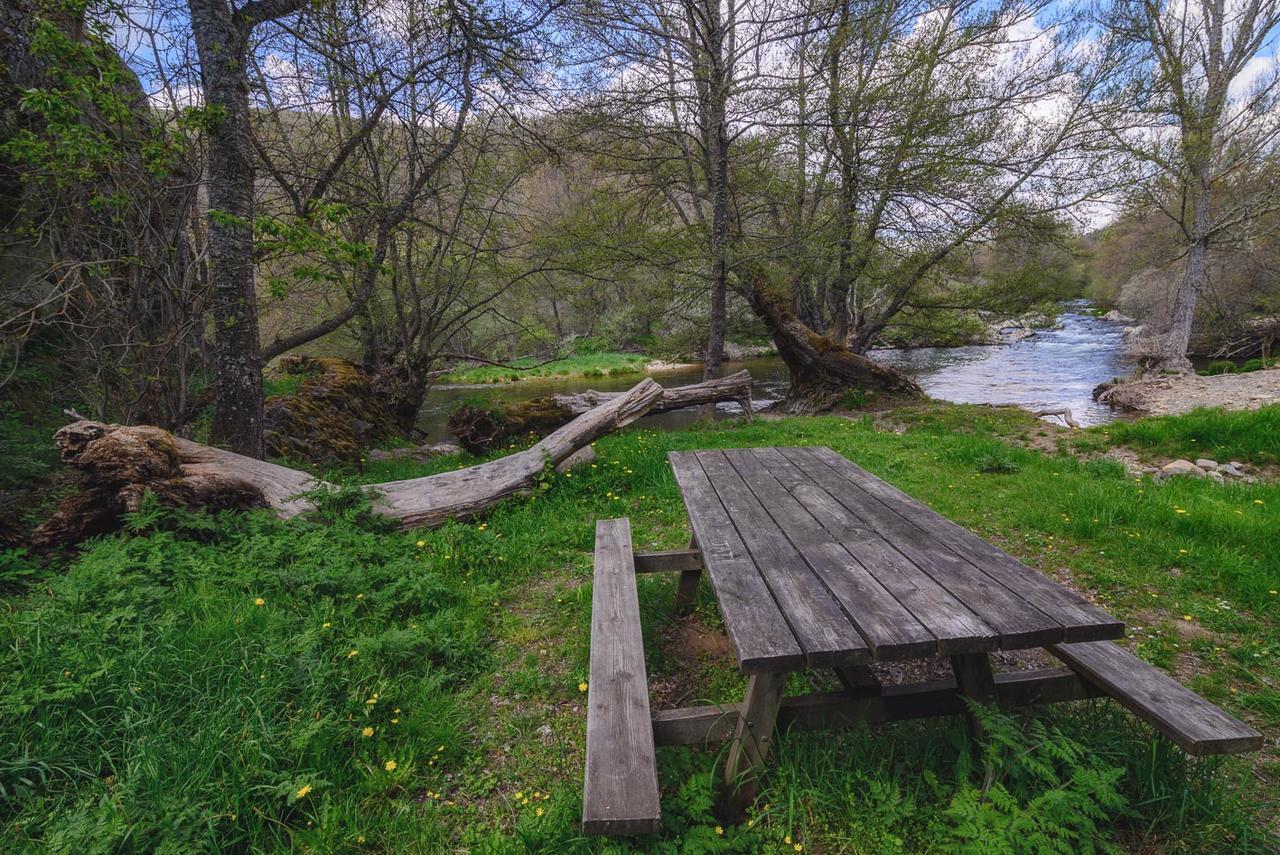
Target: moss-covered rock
333, 414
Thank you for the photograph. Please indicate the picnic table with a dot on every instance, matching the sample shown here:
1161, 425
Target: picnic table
817, 564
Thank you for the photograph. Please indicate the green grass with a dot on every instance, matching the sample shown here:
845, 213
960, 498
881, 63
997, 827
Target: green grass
586, 365
152, 705
1247, 436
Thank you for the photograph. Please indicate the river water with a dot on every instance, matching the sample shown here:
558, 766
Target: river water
1052, 368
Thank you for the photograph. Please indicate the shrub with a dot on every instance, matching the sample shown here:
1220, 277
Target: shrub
1221, 366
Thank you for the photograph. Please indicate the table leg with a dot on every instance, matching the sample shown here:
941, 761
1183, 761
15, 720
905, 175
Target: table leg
975, 681
752, 741
687, 587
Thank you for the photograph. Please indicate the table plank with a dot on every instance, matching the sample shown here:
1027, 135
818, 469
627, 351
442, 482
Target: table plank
1080, 619
890, 630
818, 622
760, 635
1018, 623
953, 625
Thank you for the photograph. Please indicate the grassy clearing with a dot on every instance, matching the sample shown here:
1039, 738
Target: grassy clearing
586, 365
193, 687
1248, 436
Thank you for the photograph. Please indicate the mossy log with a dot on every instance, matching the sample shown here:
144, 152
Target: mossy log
822, 370
482, 429
120, 464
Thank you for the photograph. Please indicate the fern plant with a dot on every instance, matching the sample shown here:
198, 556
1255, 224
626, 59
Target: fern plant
1041, 792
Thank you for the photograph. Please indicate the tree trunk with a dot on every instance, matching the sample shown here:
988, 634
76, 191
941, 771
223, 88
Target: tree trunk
483, 429
1173, 347
822, 371
718, 151
122, 464
222, 46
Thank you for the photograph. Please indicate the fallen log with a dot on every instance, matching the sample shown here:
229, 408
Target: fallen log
1062, 412
120, 464
481, 429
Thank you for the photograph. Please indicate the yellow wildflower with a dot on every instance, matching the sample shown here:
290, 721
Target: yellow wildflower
539, 811
719, 829
359, 838
302, 791
421, 543
353, 652
325, 625
1258, 502
367, 732
799, 847
1187, 617
259, 602
390, 765
395, 721
582, 687
359, 596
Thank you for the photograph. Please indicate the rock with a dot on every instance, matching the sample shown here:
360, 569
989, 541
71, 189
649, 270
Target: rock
1236, 464
1117, 317
1181, 467
334, 413
420, 453
1231, 471
1216, 475
1211, 465
581, 457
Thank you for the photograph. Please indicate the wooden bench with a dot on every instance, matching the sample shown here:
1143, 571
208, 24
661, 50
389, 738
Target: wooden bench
620, 790
1195, 725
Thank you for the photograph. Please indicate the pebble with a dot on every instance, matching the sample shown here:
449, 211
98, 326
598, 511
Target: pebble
1204, 467
1181, 467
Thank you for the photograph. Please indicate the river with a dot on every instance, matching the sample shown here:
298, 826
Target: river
1052, 368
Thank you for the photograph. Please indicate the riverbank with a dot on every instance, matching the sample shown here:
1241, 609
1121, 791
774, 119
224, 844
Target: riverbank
1173, 394
238, 682
532, 368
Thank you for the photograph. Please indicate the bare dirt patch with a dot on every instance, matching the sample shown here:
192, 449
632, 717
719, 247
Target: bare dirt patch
1171, 394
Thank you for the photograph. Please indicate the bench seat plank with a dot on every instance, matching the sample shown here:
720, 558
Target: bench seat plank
620, 790
1194, 724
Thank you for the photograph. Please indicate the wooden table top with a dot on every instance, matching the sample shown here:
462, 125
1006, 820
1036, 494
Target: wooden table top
817, 563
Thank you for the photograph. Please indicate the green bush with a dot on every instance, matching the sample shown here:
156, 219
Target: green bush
1221, 366
1258, 364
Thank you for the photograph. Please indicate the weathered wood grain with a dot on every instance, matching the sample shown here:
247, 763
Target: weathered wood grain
761, 638
672, 561
957, 629
1018, 623
620, 789
707, 725
1191, 722
753, 736
889, 629
1081, 620
815, 617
